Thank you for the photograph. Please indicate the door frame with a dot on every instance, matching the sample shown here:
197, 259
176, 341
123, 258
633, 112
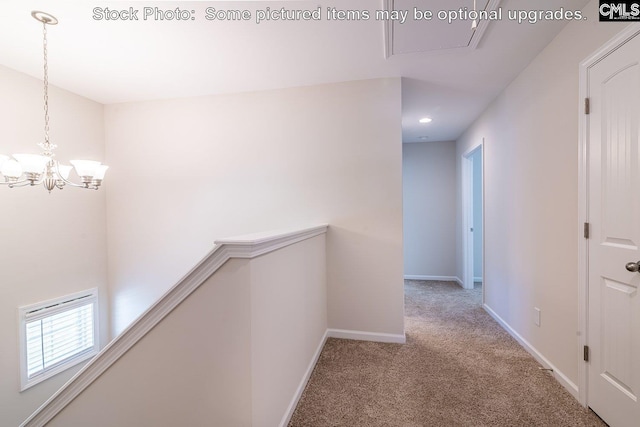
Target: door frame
583, 199
467, 215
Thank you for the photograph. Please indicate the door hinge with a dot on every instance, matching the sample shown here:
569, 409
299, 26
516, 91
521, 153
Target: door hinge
586, 230
585, 353
587, 106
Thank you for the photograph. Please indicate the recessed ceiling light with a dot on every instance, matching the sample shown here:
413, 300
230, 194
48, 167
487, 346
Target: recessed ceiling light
425, 120
423, 137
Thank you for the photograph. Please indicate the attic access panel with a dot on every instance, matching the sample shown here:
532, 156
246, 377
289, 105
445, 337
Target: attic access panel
434, 35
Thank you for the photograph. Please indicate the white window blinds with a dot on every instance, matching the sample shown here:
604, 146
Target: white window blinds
56, 335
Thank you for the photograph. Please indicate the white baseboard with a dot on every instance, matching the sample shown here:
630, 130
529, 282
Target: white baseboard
334, 333
477, 279
303, 382
436, 278
558, 375
367, 336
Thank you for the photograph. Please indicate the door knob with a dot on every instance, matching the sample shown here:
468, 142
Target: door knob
633, 267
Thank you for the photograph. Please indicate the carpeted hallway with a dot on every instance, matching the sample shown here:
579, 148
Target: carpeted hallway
458, 368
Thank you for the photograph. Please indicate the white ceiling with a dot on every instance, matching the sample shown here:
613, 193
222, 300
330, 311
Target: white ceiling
121, 61
419, 35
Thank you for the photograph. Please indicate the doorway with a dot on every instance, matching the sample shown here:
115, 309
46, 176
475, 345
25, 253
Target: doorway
473, 216
610, 244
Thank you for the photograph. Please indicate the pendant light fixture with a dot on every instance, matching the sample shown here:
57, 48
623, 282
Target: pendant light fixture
34, 169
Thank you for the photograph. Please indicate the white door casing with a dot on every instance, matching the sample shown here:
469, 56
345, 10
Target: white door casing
611, 156
468, 215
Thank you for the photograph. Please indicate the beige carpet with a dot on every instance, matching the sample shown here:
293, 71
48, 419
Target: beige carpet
458, 368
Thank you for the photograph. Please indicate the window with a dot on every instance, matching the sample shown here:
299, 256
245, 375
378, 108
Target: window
57, 334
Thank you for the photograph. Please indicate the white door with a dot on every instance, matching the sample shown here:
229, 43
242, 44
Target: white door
469, 220
467, 202
614, 215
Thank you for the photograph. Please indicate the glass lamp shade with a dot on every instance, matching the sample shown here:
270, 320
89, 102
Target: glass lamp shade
3, 159
100, 171
11, 169
32, 163
64, 170
85, 167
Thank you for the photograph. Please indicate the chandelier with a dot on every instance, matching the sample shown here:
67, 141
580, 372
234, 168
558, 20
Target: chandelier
35, 169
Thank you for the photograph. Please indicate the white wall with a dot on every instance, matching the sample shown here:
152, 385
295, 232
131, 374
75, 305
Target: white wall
232, 354
52, 244
195, 365
531, 188
188, 171
288, 324
429, 200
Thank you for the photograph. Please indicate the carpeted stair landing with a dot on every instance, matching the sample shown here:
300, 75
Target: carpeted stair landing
458, 368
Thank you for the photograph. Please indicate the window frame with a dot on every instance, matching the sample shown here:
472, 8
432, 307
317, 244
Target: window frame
52, 307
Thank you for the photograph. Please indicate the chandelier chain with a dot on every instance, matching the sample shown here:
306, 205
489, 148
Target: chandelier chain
34, 169
46, 89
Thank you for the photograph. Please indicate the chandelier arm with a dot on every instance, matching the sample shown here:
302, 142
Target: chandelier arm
22, 183
25, 182
66, 181
73, 184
